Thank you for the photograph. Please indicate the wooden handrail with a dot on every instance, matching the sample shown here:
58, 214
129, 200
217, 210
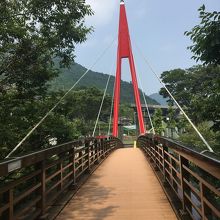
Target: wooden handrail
29, 184
193, 177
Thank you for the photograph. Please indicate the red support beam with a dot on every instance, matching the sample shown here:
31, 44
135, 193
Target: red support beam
117, 96
125, 51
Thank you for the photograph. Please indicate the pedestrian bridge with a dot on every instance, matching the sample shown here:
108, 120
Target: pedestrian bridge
124, 187
100, 179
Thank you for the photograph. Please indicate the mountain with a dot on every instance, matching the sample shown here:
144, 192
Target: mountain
94, 79
159, 98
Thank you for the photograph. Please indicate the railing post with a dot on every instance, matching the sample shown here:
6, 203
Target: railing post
42, 191
102, 148
8, 197
4, 200
93, 153
60, 167
149, 148
81, 161
106, 146
185, 175
202, 199
112, 144
87, 146
72, 152
97, 151
11, 204
155, 147
165, 148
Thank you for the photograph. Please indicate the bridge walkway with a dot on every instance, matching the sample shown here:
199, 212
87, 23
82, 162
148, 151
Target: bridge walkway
123, 187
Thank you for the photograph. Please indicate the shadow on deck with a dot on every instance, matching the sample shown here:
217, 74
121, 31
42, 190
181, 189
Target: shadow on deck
123, 187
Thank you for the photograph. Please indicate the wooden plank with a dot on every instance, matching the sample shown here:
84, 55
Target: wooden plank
213, 208
19, 181
27, 207
124, 187
196, 191
26, 193
193, 204
208, 185
207, 163
36, 157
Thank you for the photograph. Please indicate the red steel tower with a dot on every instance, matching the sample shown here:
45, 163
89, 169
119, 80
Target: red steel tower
125, 51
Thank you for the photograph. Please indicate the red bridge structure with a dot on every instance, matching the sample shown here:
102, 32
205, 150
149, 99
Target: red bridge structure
125, 51
97, 178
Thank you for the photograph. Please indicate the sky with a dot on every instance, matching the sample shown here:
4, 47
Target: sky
157, 27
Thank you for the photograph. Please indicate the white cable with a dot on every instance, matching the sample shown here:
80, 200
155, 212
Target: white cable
181, 109
100, 109
146, 105
61, 99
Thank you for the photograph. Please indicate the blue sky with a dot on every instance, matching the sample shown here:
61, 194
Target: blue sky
156, 26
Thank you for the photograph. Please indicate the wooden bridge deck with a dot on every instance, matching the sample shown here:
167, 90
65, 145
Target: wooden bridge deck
123, 187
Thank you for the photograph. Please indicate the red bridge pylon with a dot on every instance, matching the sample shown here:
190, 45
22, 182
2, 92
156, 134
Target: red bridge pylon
125, 51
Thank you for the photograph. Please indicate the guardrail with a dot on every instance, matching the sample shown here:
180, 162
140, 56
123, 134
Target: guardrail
31, 183
194, 178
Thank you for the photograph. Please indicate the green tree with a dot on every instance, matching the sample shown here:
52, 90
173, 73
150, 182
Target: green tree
197, 89
191, 139
85, 104
126, 111
206, 37
172, 118
158, 121
17, 118
73, 118
32, 33
177, 84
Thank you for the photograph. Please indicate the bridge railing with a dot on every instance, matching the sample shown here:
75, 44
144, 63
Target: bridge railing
32, 183
194, 178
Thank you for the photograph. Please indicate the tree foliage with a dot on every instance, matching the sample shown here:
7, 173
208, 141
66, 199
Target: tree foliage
73, 118
158, 121
171, 123
175, 81
126, 111
191, 139
197, 90
95, 79
32, 33
206, 37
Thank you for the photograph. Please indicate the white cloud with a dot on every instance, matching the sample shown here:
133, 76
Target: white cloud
104, 11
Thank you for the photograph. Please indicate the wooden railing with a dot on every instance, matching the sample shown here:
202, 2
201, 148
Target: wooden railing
194, 178
31, 183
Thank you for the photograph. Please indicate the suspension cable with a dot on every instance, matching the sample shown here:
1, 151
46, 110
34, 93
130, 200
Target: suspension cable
112, 104
146, 105
104, 94
181, 109
61, 99
101, 105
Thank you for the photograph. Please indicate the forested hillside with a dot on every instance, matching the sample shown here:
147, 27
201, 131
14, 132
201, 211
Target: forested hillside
94, 79
159, 98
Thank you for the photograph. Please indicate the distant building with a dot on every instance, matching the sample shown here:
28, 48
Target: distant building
152, 109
